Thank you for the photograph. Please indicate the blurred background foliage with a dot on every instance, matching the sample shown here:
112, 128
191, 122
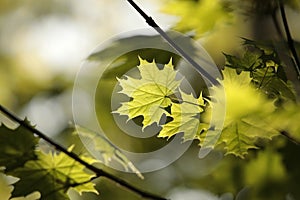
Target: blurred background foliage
43, 43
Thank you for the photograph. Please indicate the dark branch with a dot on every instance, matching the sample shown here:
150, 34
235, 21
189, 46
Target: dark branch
97, 171
179, 50
289, 37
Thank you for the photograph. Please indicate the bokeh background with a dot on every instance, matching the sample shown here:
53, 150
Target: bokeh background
43, 44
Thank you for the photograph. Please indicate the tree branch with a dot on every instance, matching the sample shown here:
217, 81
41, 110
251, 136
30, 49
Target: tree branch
289, 37
99, 172
177, 48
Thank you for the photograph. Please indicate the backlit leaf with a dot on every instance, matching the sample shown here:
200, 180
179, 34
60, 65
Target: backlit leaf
150, 94
186, 117
52, 175
247, 114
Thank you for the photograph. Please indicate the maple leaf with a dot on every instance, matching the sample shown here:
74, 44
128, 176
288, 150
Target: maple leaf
52, 175
247, 114
150, 94
185, 117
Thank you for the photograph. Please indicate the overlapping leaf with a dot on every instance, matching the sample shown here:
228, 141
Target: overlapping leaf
266, 69
49, 174
185, 117
52, 175
156, 91
247, 114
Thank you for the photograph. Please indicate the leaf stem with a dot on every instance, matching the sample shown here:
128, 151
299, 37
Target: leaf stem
99, 172
289, 37
179, 101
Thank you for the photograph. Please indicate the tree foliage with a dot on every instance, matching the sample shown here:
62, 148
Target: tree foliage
260, 136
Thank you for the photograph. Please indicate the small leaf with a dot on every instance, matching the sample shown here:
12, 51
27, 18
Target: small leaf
185, 116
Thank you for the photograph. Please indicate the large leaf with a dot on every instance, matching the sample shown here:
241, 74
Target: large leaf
247, 116
151, 94
52, 175
16, 147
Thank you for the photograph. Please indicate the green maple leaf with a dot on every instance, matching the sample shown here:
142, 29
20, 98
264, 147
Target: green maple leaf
185, 117
52, 175
247, 116
241, 135
151, 94
16, 147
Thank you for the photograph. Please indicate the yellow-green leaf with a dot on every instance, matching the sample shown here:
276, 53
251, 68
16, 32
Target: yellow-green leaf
150, 94
52, 175
247, 114
185, 117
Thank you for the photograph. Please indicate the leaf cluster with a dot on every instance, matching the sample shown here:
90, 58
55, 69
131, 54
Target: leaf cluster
51, 174
266, 70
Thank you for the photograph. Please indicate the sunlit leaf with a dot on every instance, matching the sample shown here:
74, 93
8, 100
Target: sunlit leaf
266, 69
186, 117
52, 175
150, 94
247, 114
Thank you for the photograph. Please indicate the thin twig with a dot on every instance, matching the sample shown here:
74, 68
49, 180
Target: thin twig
97, 171
179, 50
289, 37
